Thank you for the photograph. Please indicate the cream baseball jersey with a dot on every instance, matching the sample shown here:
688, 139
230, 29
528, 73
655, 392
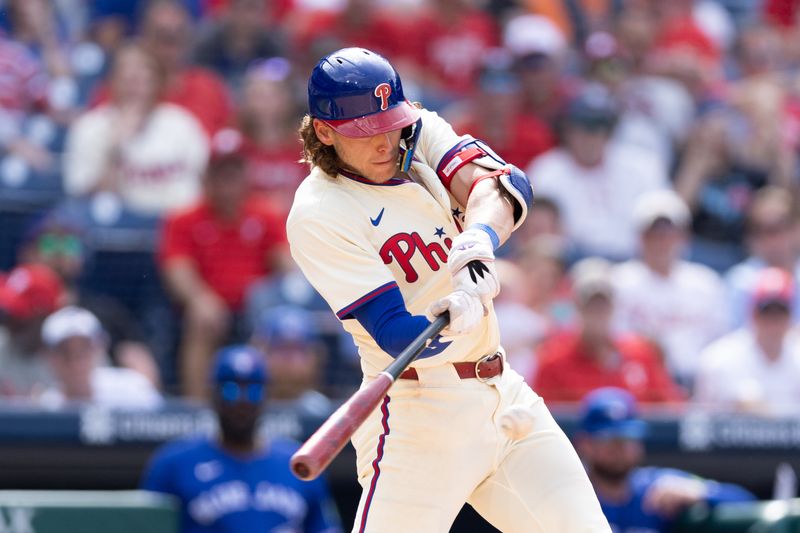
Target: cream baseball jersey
355, 239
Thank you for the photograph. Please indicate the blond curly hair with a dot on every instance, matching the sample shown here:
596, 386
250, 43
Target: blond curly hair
315, 153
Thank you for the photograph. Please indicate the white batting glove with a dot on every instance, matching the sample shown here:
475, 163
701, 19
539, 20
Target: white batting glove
471, 264
466, 312
478, 278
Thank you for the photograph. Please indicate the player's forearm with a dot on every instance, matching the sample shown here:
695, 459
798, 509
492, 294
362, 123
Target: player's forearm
488, 205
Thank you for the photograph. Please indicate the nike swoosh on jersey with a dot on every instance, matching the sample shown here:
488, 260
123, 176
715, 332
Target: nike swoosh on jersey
377, 220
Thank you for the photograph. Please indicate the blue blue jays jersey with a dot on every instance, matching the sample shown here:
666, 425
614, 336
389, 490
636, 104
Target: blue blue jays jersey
631, 517
224, 493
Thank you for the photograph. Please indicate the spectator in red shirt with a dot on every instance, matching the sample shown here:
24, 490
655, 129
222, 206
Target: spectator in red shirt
494, 115
268, 118
211, 253
166, 32
362, 23
577, 361
683, 51
782, 13
449, 39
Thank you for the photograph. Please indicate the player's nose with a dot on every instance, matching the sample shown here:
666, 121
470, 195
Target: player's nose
382, 142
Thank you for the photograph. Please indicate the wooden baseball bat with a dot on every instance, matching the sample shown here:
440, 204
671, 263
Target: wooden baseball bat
324, 445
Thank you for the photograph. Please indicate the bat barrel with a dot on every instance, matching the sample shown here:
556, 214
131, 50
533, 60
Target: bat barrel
322, 447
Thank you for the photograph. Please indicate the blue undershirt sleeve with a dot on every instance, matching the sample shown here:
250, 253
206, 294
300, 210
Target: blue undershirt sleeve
387, 320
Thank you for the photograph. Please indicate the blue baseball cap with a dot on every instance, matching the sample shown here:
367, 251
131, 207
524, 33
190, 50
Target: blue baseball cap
611, 412
239, 363
286, 324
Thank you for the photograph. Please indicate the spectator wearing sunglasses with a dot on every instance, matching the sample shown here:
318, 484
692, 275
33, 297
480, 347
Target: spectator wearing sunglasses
234, 481
60, 244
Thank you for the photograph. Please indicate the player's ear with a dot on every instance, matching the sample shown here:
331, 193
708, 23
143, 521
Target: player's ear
323, 131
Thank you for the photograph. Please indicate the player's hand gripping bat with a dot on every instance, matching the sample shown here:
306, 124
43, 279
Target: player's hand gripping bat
325, 444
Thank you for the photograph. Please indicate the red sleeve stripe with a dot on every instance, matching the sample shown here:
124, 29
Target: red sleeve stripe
455, 158
347, 311
449, 155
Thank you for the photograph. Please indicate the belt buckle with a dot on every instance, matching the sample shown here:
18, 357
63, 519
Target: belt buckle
478, 366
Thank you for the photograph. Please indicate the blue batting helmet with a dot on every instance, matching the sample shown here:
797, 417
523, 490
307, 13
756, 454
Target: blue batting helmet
359, 94
611, 412
239, 363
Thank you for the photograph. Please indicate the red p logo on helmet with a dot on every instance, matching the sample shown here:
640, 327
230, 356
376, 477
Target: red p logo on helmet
383, 91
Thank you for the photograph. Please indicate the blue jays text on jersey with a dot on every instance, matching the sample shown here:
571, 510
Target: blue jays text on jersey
219, 492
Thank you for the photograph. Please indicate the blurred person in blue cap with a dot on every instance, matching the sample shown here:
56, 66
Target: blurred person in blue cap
635, 498
239, 480
294, 352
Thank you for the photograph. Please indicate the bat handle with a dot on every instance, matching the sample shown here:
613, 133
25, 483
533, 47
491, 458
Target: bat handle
417, 346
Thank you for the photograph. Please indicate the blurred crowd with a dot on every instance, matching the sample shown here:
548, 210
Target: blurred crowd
149, 155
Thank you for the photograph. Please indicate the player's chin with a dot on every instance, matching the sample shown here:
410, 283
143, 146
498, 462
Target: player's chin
381, 172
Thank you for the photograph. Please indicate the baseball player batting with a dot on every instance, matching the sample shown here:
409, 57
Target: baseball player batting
396, 223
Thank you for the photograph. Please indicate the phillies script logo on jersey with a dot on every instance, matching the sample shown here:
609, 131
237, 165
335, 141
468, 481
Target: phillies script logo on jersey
402, 247
383, 91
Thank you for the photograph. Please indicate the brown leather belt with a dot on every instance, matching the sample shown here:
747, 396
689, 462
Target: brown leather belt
486, 368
